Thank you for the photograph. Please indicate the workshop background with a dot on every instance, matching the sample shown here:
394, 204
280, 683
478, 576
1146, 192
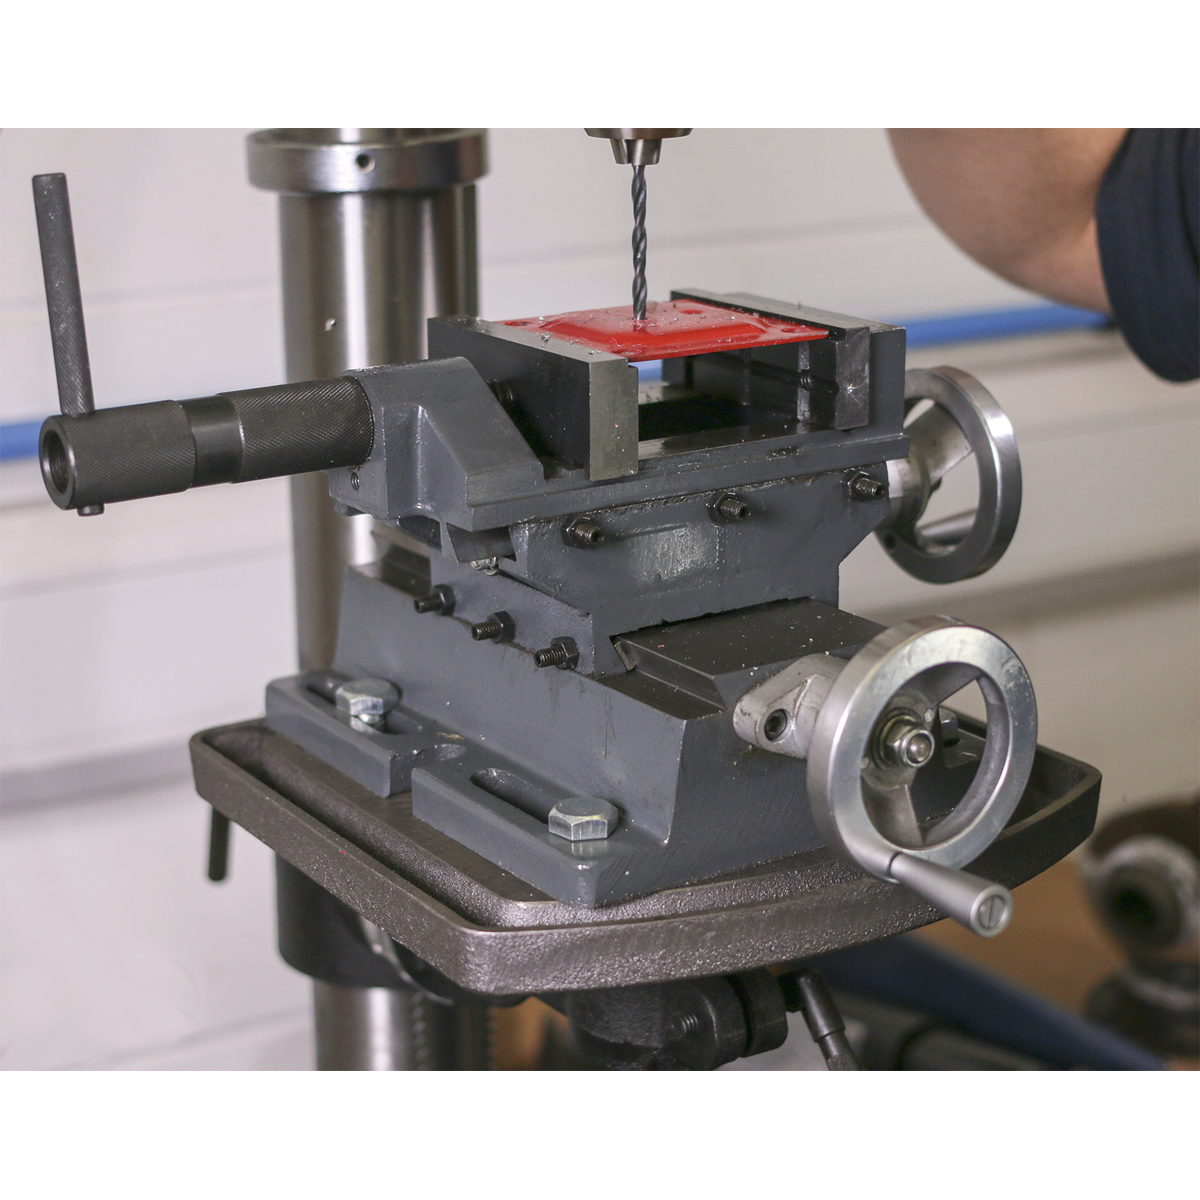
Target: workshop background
122, 636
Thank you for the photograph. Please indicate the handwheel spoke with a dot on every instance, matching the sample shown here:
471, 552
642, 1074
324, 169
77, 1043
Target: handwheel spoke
938, 440
893, 813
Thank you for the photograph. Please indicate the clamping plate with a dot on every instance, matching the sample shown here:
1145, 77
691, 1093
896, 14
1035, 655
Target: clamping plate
867, 726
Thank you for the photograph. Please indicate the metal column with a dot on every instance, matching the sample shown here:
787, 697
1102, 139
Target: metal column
377, 232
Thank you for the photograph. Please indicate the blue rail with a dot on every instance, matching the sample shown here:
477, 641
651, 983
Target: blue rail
20, 439
999, 323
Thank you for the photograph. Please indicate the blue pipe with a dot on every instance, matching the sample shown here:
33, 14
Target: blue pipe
999, 323
20, 440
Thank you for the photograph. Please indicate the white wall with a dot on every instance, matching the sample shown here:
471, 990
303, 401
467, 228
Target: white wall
129, 631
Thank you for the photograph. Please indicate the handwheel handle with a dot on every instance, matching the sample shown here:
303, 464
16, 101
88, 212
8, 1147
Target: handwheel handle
965, 420
983, 907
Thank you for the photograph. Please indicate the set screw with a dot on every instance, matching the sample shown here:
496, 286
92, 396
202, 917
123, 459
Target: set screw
440, 600
583, 532
562, 653
728, 507
867, 487
499, 627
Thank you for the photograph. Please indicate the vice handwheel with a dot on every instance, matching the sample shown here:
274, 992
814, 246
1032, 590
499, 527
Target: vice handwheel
867, 727
964, 419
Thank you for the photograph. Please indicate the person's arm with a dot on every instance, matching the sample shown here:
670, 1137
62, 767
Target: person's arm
1020, 201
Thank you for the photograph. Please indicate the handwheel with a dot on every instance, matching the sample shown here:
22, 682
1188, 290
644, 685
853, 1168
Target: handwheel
963, 420
867, 726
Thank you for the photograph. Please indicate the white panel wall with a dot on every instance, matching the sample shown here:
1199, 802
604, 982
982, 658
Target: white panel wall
131, 630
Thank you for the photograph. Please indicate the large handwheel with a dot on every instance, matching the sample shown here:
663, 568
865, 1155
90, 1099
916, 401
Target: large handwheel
867, 726
964, 419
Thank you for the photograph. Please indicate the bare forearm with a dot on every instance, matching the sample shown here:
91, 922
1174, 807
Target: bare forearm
1020, 201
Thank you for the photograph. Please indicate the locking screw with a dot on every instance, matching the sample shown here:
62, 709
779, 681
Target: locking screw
728, 507
562, 653
583, 532
440, 600
499, 627
905, 742
866, 487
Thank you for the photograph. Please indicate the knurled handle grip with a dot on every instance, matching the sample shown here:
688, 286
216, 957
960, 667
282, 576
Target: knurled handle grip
169, 446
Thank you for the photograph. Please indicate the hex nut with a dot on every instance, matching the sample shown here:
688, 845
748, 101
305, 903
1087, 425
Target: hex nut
370, 700
583, 819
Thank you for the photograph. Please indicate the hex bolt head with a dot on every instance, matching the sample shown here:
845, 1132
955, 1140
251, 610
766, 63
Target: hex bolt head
583, 819
367, 700
499, 627
905, 742
947, 721
440, 600
583, 533
562, 653
728, 508
866, 487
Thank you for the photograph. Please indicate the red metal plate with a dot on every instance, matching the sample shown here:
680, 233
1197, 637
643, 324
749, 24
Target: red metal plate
671, 329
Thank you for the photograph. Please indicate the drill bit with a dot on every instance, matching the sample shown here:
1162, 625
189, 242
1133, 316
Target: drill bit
639, 243
640, 148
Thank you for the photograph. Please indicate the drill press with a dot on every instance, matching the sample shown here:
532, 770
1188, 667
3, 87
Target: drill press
596, 729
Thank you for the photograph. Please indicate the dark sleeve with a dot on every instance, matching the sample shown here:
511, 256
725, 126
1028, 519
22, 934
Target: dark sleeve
1147, 218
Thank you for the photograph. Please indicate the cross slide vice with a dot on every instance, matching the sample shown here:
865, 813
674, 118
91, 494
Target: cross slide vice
595, 720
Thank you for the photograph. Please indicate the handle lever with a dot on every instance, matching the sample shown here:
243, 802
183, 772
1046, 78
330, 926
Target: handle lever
218, 847
63, 301
982, 906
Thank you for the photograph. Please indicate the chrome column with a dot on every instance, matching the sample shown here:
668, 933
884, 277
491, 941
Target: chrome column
397, 1029
377, 231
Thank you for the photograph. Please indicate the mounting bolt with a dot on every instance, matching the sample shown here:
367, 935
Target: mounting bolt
499, 627
728, 507
582, 532
583, 819
367, 700
440, 600
905, 742
562, 653
866, 487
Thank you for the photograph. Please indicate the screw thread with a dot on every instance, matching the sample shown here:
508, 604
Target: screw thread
866, 487
733, 509
551, 656
584, 532
485, 631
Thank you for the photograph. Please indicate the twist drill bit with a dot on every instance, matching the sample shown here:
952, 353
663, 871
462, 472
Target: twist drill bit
640, 148
639, 243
